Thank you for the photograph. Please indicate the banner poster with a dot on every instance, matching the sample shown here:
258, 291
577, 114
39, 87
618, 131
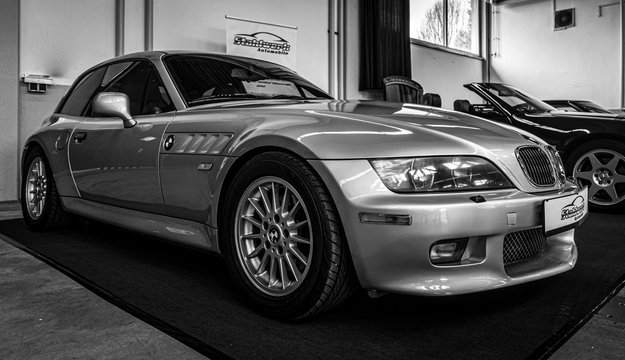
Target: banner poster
259, 40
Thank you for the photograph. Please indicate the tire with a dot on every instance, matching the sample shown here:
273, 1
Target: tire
600, 165
41, 204
286, 253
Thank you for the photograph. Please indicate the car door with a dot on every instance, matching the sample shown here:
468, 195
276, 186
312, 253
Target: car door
116, 165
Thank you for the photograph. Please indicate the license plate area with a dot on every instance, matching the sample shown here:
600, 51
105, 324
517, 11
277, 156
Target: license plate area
565, 212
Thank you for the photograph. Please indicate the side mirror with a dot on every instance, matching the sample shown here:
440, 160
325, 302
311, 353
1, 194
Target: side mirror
114, 104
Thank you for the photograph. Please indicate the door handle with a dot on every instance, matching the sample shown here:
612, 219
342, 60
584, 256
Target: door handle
79, 136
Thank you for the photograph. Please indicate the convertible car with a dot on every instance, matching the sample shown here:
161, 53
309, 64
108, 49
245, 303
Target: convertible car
305, 197
592, 145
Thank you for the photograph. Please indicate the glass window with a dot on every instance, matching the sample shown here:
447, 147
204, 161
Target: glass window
450, 23
113, 70
427, 21
141, 83
132, 84
80, 95
202, 80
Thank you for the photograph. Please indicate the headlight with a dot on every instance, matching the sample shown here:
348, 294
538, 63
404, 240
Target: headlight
439, 174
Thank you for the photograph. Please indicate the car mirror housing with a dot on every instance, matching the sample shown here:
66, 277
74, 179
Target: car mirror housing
114, 104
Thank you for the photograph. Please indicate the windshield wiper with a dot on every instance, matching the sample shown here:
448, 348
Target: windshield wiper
224, 97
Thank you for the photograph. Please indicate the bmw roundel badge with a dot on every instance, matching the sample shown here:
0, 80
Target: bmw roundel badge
169, 142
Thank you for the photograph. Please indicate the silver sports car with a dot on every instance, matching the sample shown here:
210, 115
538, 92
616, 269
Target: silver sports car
305, 197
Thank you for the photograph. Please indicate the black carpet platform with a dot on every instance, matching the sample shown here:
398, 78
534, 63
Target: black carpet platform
188, 294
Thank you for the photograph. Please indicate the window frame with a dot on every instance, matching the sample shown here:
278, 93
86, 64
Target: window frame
445, 47
133, 61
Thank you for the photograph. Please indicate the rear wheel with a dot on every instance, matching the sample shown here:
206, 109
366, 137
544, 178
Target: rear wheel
600, 165
282, 238
41, 204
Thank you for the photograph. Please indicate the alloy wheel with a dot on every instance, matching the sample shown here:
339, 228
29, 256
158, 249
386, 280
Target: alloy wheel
36, 188
603, 171
274, 238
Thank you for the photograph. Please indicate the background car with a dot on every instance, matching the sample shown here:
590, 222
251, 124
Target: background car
578, 105
305, 197
592, 145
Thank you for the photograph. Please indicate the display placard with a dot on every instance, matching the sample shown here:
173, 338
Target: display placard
261, 40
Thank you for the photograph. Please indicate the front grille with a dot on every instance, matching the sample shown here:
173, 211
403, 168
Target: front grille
524, 244
536, 165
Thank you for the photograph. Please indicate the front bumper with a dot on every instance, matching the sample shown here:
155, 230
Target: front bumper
395, 258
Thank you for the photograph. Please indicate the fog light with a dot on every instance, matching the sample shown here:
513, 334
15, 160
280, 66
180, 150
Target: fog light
448, 251
375, 218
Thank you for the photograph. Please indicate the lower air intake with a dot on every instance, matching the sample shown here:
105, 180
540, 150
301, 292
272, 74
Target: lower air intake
521, 245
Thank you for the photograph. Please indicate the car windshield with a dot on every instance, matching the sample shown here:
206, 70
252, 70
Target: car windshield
519, 101
592, 107
206, 79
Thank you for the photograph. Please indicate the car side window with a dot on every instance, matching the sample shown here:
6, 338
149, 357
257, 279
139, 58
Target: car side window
132, 84
78, 99
156, 100
146, 93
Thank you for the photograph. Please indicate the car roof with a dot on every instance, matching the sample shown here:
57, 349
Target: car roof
153, 55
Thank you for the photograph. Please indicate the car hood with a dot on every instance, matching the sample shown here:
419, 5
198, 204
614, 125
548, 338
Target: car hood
356, 129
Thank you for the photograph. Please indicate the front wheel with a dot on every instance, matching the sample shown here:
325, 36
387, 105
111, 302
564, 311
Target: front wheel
600, 165
282, 238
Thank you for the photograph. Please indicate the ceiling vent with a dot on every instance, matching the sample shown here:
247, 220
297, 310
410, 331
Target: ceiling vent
563, 19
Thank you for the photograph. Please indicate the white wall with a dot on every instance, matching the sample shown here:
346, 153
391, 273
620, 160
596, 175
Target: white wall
582, 62
9, 47
444, 73
200, 25
64, 38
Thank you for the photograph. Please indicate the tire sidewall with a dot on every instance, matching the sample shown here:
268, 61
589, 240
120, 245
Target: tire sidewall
305, 295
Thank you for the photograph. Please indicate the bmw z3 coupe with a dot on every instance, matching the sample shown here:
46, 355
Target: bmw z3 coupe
307, 198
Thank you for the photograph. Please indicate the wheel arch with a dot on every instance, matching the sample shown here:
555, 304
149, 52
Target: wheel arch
30, 145
235, 168
57, 159
578, 141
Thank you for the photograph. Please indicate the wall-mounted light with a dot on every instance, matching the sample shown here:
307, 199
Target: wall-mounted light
37, 83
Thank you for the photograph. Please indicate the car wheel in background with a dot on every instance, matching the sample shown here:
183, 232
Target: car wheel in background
41, 204
600, 165
282, 238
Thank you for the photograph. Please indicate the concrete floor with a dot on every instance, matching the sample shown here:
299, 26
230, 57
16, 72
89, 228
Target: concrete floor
46, 315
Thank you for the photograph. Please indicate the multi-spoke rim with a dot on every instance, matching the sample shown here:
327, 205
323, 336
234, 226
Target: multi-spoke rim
36, 188
274, 237
603, 171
